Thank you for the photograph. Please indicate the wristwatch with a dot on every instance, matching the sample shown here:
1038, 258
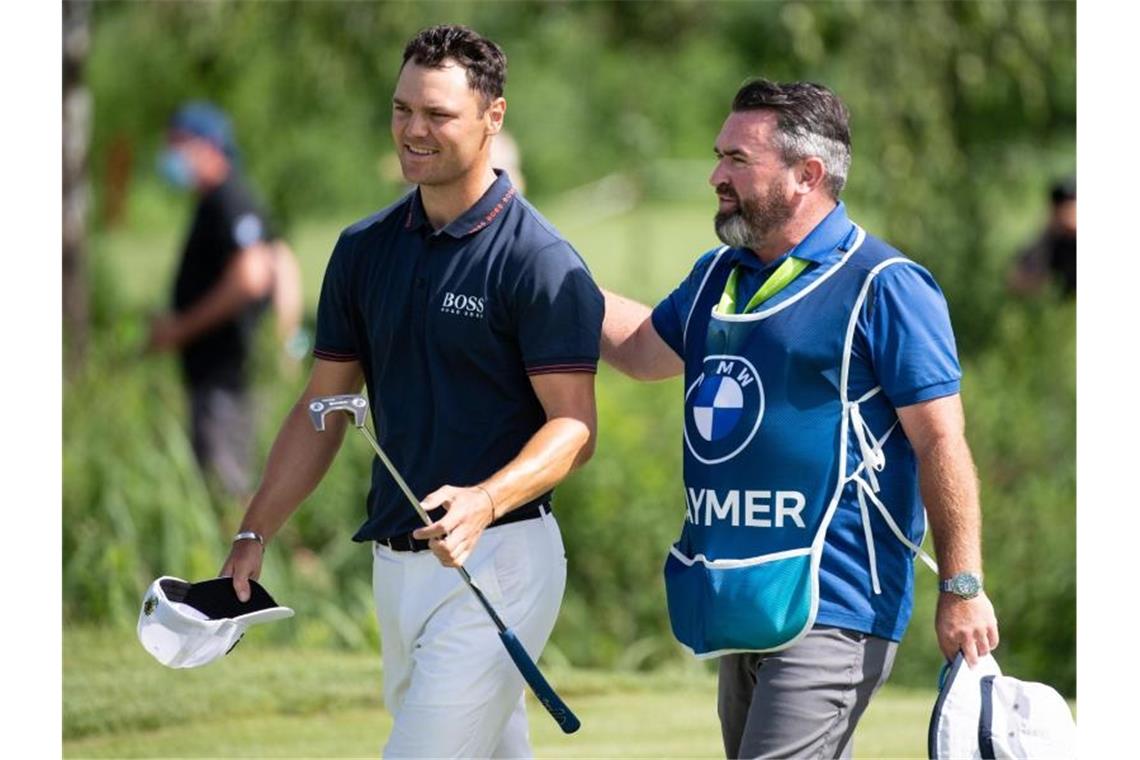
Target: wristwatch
965, 585
249, 535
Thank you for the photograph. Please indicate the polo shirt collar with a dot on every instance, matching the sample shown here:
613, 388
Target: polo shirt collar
820, 244
485, 211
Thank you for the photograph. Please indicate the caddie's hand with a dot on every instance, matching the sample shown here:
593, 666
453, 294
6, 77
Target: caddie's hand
452, 538
243, 563
966, 624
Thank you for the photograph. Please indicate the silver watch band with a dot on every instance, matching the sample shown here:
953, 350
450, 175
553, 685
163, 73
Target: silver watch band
249, 535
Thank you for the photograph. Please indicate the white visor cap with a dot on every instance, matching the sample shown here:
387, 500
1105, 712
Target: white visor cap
185, 625
981, 714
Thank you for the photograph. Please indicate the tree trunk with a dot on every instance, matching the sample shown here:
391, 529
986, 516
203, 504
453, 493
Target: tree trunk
76, 136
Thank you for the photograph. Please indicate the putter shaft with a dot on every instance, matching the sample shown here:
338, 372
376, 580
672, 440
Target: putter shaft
395, 474
428, 521
356, 405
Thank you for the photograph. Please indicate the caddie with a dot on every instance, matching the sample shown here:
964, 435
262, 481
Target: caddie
821, 414
475, 327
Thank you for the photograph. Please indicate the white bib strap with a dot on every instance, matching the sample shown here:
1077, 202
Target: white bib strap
870, 541
874, 460
870, 448
864, 487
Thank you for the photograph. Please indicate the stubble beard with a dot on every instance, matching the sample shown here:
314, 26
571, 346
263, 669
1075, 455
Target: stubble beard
754, 220
439, 174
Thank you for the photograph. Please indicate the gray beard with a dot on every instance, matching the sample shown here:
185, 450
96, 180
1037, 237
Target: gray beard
734, 231
753, 221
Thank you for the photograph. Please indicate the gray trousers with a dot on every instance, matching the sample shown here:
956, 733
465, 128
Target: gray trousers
804, 701
221, 422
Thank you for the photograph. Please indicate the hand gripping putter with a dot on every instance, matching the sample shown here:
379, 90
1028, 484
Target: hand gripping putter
356, 406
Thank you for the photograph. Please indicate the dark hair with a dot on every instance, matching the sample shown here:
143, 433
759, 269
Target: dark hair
484, 61
812, 121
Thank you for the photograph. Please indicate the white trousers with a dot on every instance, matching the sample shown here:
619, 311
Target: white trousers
451, 687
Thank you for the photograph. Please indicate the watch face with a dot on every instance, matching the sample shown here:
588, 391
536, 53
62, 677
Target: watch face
966, 585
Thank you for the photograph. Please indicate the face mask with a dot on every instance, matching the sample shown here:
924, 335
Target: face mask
175, 168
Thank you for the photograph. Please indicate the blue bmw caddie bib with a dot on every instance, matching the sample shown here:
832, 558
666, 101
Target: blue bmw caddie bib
770, 441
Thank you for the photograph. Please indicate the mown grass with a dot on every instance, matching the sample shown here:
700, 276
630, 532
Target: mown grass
270, 701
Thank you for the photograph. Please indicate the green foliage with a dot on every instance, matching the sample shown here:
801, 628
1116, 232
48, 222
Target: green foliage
961, 114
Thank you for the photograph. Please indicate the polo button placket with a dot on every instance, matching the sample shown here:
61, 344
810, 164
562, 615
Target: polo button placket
419, 303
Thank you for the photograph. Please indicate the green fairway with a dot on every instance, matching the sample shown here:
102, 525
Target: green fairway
265, 701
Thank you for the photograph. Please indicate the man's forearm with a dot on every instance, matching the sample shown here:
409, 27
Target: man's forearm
247, 279
300, 457
949, 486
623, 317
631, 344
559, 446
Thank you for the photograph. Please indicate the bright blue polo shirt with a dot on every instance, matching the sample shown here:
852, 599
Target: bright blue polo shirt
903, 335
448, 326
904, 343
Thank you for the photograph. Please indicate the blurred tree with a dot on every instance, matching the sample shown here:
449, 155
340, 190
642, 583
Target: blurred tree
76, 134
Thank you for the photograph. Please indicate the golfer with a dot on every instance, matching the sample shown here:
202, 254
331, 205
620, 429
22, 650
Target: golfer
476, 328
821, 413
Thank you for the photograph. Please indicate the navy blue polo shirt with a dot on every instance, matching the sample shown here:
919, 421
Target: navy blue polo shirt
448, 327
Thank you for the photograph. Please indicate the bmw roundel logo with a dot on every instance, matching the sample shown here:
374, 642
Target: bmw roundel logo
723, 408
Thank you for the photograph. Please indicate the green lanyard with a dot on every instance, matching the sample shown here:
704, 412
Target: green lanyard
779, 280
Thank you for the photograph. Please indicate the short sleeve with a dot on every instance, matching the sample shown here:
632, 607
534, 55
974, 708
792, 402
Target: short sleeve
242, 223
907, 326
247, 229
335, 340
558, 312
670, 315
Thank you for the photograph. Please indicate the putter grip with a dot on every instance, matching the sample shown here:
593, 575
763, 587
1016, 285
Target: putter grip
554, 705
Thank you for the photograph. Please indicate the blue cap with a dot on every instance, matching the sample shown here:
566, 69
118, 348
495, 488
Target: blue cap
208, 122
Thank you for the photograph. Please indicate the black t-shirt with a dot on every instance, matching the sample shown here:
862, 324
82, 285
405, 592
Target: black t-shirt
227, 219
1063, 261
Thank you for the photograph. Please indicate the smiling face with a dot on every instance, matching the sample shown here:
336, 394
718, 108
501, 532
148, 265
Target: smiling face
755, 189
442, 128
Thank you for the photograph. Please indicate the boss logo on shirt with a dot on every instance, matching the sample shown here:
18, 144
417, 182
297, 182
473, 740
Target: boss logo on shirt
463, 305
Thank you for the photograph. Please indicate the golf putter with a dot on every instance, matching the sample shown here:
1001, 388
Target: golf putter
356, 405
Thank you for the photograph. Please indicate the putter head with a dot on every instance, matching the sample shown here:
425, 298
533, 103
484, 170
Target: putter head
352, 403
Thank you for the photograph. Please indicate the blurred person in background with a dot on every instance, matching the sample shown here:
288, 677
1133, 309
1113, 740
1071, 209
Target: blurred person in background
233, 268
822, 413
1052, 257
